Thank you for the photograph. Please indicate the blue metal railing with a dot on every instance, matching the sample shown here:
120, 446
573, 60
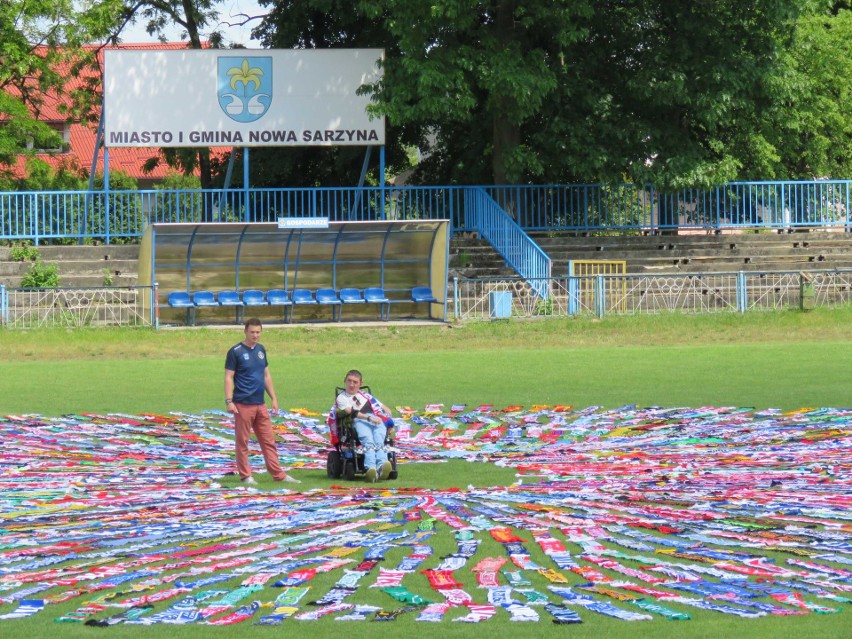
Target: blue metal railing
577, 207
516, 247
120, 215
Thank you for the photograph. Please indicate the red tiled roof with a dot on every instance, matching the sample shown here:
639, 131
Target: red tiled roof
128, 160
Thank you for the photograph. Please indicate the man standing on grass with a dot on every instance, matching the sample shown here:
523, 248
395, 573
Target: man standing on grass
247, 376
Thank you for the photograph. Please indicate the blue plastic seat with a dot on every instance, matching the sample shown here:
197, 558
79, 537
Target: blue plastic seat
231, 298
279, 297
351, 296
253, 297
303, 296
328, 297
376, 295
181, 299
201, 299
422, 294
204, 298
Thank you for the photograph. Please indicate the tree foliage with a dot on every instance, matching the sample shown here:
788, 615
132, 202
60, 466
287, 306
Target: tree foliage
681, 94
194, 17
678, 94
323, 24
36, 40
806, 131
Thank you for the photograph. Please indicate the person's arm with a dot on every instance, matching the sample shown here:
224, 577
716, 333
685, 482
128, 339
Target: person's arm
229, 392
382, 407
374, 417
270, 389
342, 404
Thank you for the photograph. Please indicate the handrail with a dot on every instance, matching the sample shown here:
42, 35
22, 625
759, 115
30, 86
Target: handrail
516, 247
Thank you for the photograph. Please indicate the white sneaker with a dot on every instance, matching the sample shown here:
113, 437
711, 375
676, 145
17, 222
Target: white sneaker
249, 480
371, 475
291, 479
385, 471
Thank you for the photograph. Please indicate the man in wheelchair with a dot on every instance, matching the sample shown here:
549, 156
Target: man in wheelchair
359, 424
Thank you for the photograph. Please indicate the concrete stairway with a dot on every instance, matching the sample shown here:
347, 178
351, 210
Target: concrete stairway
698, 253
706, 253
471, 258
79, 266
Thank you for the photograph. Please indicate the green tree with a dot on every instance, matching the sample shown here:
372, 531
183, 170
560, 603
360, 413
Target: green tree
579, 91
323, 24
37, 38
476, 77
559, 90
806, 131
41, 176
198, 20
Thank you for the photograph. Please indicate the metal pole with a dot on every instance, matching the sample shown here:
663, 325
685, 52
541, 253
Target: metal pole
99, 137
456, 301
742, 296
246, 181
107, 208
155, 306
382, 180
600, 296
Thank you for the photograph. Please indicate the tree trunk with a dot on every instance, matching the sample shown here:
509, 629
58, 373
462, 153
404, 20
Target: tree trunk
507, 137
206, 175
505, 133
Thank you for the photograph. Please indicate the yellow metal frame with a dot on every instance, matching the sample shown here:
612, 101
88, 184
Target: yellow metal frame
588, 270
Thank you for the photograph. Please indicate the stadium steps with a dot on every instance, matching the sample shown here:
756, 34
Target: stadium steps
747, 251
79, 266
473, 258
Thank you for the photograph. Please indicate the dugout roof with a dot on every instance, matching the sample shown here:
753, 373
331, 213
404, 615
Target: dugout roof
394, 255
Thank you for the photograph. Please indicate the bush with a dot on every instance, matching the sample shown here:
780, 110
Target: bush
41, 275
24, 253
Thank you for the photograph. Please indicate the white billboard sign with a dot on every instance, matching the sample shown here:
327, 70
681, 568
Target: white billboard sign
240, 97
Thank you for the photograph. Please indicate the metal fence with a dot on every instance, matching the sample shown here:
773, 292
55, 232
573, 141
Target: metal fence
484, 299
600, 295
630, 207
77, 307
113, 216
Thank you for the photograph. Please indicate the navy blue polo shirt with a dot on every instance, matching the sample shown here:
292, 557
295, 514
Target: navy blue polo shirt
249, 366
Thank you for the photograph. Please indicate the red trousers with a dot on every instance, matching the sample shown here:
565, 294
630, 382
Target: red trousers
255, 417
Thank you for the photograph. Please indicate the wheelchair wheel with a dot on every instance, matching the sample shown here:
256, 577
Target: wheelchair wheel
349, 469
393, 474
334, 464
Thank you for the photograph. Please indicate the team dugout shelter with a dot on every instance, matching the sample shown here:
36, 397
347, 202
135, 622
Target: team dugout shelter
214, 265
